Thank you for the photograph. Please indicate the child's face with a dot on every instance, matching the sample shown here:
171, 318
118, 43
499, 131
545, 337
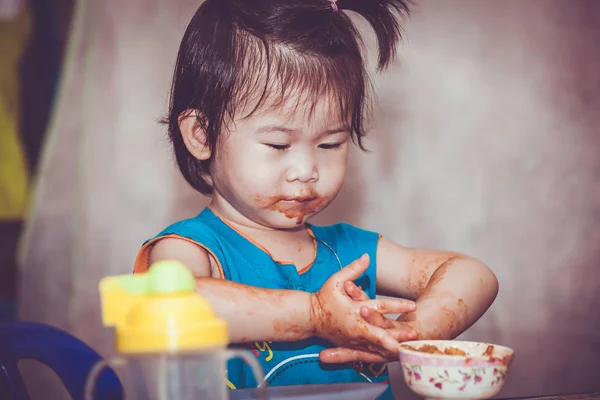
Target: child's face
281, 166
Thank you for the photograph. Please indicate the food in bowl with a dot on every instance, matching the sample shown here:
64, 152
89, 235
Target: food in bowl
449, 369
450, 351
431, 349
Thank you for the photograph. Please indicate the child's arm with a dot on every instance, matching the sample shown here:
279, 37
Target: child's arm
452, 292
255, 315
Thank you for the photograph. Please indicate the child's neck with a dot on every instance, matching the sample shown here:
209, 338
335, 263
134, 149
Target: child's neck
295, 246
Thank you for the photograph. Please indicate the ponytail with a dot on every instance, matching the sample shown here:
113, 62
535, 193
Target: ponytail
383, 16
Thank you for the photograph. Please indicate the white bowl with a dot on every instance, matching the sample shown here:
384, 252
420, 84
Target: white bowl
470, 376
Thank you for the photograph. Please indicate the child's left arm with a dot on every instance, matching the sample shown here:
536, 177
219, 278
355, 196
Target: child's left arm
452, 291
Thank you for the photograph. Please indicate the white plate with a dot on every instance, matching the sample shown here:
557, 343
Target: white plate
337, 391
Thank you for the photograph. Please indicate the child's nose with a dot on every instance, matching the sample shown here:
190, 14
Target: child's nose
303, 168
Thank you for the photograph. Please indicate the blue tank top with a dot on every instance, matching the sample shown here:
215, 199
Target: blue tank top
243, 261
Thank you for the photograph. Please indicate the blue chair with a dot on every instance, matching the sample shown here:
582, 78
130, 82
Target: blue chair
67, 356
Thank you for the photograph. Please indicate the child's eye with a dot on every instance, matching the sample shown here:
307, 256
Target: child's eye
280, 147
330, 146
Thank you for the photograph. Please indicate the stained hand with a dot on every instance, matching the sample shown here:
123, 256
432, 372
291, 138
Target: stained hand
400, 331
340, 318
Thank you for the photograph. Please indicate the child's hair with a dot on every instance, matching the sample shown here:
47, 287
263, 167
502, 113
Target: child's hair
238, 54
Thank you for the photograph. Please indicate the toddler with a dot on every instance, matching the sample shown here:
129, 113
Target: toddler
267, 98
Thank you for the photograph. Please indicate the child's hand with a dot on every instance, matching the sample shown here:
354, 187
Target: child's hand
399, 330
336, 316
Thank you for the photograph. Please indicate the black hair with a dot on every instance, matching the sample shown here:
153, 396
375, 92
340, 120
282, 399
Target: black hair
237, 54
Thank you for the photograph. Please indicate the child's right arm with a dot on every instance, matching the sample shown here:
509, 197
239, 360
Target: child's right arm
256, 315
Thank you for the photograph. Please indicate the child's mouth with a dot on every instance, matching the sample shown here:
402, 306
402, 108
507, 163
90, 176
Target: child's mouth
296, 206
298, 200
299, 208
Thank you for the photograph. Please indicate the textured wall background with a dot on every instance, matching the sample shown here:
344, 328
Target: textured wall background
486, 141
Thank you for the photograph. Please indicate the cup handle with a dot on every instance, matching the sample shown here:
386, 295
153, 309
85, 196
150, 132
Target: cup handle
90, 383
256, 368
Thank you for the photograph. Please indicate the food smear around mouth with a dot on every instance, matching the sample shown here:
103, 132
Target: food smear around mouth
293, 207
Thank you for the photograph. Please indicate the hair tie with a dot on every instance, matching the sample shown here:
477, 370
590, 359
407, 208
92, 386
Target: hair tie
334, 5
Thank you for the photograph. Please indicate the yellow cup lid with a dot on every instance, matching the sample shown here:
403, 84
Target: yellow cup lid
160, 311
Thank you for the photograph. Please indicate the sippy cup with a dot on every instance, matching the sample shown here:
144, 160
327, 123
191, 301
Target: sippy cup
171, 344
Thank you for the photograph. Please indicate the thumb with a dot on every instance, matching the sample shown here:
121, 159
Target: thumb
355, 292
354, 270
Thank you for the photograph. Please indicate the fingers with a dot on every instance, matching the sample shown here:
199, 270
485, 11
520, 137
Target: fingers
354, 270
340, 355
391, 306
403, 333
375, 318
398, 330
355, 292
381, 338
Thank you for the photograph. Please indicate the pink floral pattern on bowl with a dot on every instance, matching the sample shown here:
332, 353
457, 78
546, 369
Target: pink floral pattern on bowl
466, 377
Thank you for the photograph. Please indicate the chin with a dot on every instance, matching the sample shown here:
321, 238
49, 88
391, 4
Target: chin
282, 222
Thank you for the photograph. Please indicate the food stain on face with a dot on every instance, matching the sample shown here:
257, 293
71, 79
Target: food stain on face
293, 207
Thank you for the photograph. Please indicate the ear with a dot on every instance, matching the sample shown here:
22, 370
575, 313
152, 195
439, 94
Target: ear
194, 135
